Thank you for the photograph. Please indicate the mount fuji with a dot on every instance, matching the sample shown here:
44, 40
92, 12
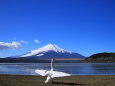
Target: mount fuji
51, 51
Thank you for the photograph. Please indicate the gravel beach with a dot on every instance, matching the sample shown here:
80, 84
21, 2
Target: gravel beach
78, 80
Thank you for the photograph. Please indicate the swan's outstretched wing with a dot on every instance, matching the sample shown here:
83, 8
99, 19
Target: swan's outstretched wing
41, 72
59, 74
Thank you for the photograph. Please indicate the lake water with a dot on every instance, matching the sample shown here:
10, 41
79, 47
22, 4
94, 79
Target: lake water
71, 68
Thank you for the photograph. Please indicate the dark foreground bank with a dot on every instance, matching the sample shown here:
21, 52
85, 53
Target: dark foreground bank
34, 80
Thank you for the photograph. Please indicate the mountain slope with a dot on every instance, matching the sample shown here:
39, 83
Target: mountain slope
51, 51
47, 48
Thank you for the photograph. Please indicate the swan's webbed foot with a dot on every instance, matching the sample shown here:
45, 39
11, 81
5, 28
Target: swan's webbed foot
51, 81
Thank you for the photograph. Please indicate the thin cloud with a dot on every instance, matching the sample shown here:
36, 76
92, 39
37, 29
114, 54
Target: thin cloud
36, 41
23, 42
13, 45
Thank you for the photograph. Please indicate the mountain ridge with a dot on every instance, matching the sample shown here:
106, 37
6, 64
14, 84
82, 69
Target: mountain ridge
51, 51
48, 47
45, 54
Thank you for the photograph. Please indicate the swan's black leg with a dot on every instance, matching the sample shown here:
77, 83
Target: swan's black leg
52, 81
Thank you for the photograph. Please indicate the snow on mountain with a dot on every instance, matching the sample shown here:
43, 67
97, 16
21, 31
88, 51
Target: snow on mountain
48, 47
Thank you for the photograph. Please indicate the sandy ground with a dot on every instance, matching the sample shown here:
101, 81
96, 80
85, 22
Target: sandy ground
34, 80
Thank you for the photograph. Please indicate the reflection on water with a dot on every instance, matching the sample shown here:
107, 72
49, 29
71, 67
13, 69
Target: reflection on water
72, 68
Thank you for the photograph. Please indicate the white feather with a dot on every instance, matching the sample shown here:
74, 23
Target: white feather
59, 74
41, 72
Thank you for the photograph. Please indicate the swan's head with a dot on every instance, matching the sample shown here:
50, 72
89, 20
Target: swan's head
53, 59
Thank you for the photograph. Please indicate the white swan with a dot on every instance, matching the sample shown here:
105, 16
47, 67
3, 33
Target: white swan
51, 74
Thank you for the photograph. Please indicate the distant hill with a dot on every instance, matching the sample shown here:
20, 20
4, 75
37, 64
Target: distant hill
101, 57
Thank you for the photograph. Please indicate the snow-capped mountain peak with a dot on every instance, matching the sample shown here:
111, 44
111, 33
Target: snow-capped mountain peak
52, 47
48, 47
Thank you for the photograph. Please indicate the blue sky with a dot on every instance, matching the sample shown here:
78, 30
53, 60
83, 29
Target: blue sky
83, 26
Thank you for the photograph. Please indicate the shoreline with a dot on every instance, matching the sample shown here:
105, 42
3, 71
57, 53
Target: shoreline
76, 80
29, 60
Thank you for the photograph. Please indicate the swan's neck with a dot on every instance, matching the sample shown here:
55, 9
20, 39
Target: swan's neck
52, 67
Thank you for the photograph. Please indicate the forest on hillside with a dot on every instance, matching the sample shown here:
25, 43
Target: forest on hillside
101, 57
